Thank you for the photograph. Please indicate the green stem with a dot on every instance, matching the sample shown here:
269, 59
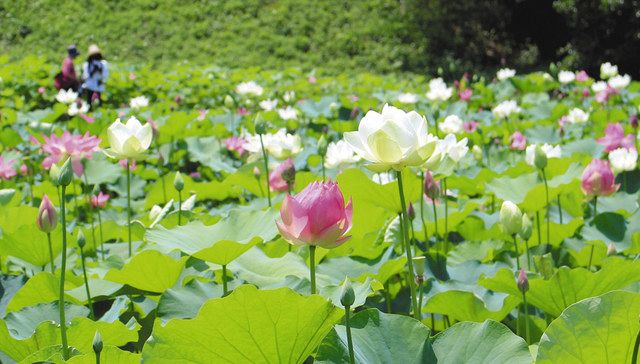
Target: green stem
63, 267
53, 268
323, 169
129, 206
312, 267
424, 224
407, 243
560, 208
86, 285
526, 245
526, 317
546, 193
100, 230
265, 157
595, 212
89, 212
179, 208
164, 189
446, 215
634, 358
538, 227
515, 244
420, 301
225, 288
387, 296
347, 310
435, 220
97, 358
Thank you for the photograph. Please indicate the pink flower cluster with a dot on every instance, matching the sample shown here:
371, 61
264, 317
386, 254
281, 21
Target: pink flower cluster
7, 168
518, 141
614, 138
76, 146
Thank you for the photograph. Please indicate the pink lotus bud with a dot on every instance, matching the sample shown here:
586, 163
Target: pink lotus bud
470, 126
614, 138
178, 99
242, 111
431, 187
354, 98
465, 95
235, 144
598, 179
95, 97
411, 212
41, 90
277, 182
585, 92
132, 76
316, 216
47, 216
582, 76
312, 79
24, 169
518, 141
355, 112
523, 281
195, 175
99, 200
633, 120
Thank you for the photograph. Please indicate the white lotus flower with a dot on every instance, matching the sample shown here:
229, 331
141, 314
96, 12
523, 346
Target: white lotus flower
66, 96
188, 204
288, 113
340, 154
623, 159
452, 124
392, 139
289, 96
268, 105
249, 88
619, 82
506, 108
452, 148
155, 212
130, 140
505, 74
438, 90
280, 145
549, 150
74, 110
607, 70
139, 102
577, 116
599, 86
408, 98
566, 76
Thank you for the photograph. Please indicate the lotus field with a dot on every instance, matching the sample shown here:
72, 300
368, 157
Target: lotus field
210, 215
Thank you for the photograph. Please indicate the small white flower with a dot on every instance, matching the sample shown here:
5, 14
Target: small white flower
188, 204
66, 97
452, 148
139, 102
506, 108
452, 124
289, 96
438, 90
549, 150
607, 70
566, 76
288, 113
619, 82
408, 98
599, 86
268, 105
577, 116
249, 88
505, 74
339, 154
623, 159
75, 110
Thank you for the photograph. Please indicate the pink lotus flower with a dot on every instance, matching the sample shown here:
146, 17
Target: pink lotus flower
132, 166
582, 76
316, 216
121, 114
47, 216
99, 200
276, 180
598, 179
242, 111
633, 120
354, 98
234, 144
465, 95
312, 79
195, 175
76, 146
132, 76
202, 114
41, 90
177, 99
518, 141
87, 118
614, 138
470, 126
24, 169
585, 92
7, 169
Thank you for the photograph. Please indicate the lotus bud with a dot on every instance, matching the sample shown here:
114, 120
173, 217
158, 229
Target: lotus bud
82, 241
545, 265
347, 295
540, 159
527, 227
419, 267
260, 125
289, 175
322, 146
256, 172
66, 173
523, 281
178, 182
155, 212
54, 175
97, 343
611, 250
47, 216
411, 212
510, 218
431, 187
477, 152
228, 101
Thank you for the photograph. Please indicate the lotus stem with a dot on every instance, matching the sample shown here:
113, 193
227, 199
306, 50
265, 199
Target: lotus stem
548, 217
265, 157
129, 205
407, 243
179, 208
225, 289
63, 267
595, 212
53, 268
424, 224
636, 346
100, 232
312, 267
515, 244
86, 284
526, 317
347, 310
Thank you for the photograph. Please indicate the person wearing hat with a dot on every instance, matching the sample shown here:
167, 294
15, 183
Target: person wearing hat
67, 78
94, 74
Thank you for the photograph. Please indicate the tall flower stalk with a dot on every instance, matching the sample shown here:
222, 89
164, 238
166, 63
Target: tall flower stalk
404, 227
347, 299
81, 244
47, 221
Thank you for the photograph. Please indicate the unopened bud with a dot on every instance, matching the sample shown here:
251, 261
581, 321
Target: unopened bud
411, 212
347, 295
97, 343
256, 172
54, 175
322, 146
477, 152
527, 227
81, 239
178, 182
510, 218
523, 281
611, 250
47, 216
66, 173
260, 125
540, 159
229, 101
289, 175
431, 187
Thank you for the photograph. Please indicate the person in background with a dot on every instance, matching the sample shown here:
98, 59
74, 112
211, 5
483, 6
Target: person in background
66, 79
94, 74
